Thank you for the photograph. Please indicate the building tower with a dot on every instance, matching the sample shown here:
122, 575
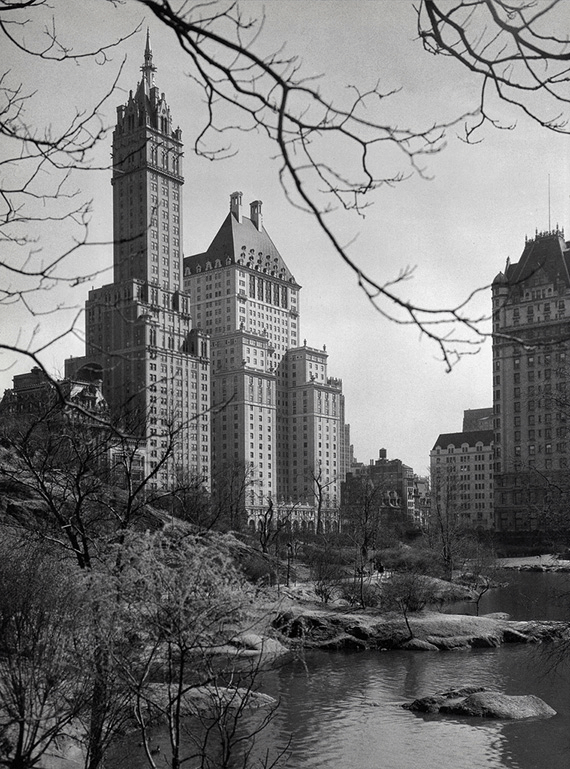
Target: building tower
277, 416
138, 328
531, 309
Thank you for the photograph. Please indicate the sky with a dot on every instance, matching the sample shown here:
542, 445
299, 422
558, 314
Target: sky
456, 226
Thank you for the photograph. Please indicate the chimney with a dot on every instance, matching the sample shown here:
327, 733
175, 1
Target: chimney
235, 205
255, 214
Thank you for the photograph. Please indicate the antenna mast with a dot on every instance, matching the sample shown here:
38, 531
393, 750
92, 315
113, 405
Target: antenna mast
549, 203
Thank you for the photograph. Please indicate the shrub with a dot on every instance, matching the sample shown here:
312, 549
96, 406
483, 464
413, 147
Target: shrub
406, 559
256, 568
362, 595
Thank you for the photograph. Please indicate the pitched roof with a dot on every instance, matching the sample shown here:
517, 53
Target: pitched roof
241, 243
547, 253
458, 439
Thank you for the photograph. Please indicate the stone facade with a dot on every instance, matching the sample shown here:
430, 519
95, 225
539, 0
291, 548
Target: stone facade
275, 411
156, 366
461, 466
531, 311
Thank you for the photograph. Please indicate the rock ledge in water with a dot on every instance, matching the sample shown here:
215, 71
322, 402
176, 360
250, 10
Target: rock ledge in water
482, 702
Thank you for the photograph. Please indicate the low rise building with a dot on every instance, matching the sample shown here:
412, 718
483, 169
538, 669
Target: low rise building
461, 466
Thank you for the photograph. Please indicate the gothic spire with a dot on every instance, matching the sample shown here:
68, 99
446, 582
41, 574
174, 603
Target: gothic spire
148, 69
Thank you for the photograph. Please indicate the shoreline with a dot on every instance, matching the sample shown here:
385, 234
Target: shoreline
316, 628
539, 563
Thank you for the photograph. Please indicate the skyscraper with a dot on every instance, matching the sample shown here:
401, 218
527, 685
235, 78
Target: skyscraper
277, 414
531, 307
140, 340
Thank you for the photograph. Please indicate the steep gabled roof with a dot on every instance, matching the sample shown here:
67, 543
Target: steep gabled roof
240, 242
546, 256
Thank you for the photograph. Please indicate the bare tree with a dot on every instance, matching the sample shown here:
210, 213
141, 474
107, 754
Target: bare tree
447, 533
270, 523
39, 166
511, 46
189, 600
320, 484
362, 513
44, 687
363, 501
327, 570
516, 48
229, 489
481, 571
409, 592
69, 466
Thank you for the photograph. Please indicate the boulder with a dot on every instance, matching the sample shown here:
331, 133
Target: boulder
499, 705
483, 702
435, 702
257, 647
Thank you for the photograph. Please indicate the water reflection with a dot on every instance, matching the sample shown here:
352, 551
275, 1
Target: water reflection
343, 710
527, 596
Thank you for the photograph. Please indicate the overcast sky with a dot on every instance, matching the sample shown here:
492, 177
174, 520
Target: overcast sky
456, 229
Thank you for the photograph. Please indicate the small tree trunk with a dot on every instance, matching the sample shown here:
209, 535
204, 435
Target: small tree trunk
407, 621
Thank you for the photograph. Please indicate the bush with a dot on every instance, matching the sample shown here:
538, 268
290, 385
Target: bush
327, 573
407, 559
365, 595
408, 592
256, 569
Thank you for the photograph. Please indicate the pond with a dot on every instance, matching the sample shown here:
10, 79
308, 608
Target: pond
341, 710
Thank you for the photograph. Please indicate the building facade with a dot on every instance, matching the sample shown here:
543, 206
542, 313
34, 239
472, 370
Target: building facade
35, 394
477, 419
276, 413
69, 418
155, 365
387, 485
462, 487
531, 345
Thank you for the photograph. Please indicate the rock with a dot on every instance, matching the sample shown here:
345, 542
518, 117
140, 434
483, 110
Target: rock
207, 700
435, 702
497, 615
257, 643
482, 702
417, 644
247, 649
498, 705
450, 643
330, 628
487, 641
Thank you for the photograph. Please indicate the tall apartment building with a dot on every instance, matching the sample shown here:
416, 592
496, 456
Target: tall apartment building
140, 341
477, 419
461, 468
276, 412
531, 324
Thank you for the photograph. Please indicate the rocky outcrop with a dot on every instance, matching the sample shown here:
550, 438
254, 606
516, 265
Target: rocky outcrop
431, 631
248, 650
482, 702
